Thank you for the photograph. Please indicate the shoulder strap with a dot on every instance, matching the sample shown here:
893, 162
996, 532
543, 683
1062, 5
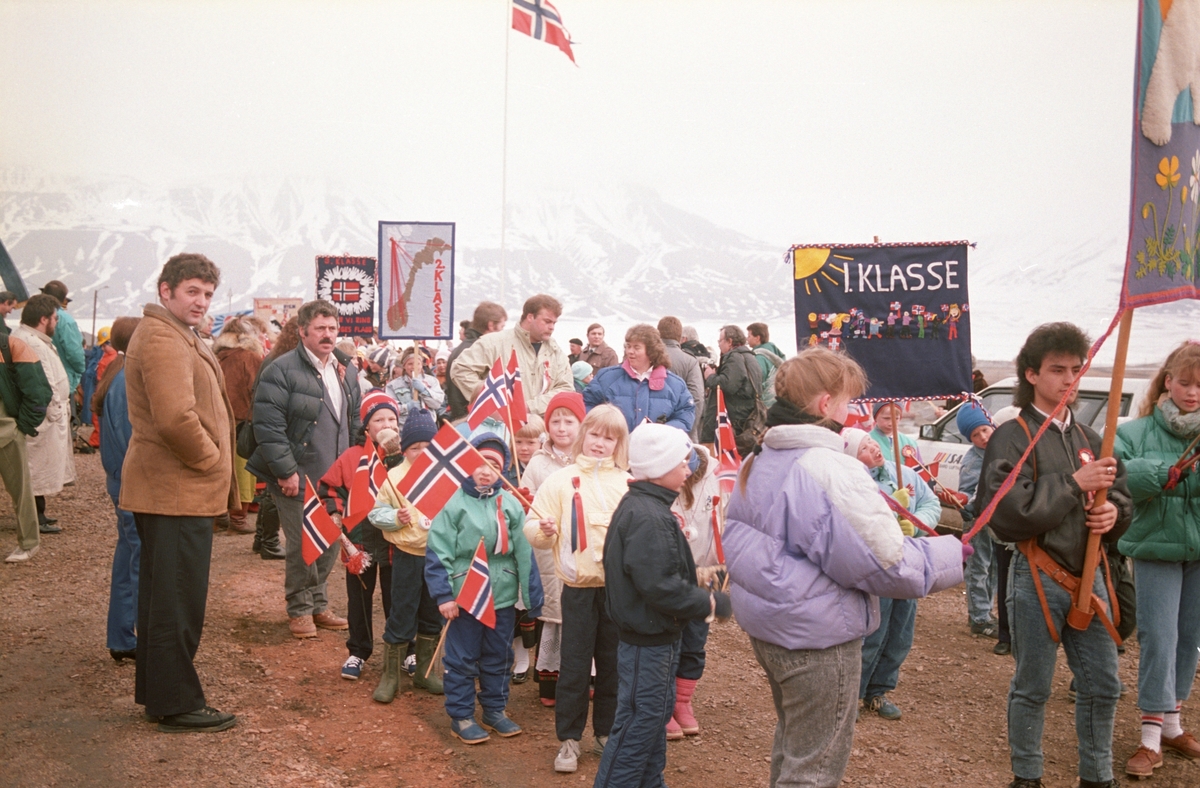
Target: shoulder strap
1029, 437
6, 351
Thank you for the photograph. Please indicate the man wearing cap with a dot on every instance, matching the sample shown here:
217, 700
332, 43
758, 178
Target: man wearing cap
651, 593
306, 414
376, 369
67, 338
543, 364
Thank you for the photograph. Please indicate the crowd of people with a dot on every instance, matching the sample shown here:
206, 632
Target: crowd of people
609, 541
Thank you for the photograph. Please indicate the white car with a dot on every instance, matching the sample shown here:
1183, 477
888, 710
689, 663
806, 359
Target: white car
942, 446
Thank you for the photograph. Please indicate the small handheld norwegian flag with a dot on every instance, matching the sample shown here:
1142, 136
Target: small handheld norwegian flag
475, 596
729, 462
439, 472
517, 411
492, 398
369, 477
318, 529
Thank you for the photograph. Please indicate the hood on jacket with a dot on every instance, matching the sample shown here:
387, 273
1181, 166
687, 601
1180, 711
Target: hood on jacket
231, 342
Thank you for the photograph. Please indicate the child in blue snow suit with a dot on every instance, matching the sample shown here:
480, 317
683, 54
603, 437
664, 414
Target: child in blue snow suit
975, 424
885, 649
481, 510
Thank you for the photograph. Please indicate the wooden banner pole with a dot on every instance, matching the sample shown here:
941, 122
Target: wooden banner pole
1080, 614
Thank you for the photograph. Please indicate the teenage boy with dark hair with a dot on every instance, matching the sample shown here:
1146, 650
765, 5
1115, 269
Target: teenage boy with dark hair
1049, 513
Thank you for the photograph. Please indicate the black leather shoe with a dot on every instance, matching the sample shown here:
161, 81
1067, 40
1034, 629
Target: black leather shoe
1023, 783
49, 528
1002, 648
272, 552
205, 720
120, 655
44, 520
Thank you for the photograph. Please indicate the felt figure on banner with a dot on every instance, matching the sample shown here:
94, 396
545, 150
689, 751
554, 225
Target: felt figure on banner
812, 322
860, 323
935, 325
952, 317
814, 340
892, 318
874, 329
906, 326
836, 321
919, 314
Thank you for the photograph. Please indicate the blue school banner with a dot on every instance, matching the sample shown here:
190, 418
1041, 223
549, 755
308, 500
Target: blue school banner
900, 310
1163, 259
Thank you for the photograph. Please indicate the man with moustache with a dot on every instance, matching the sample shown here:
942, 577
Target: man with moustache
305, 416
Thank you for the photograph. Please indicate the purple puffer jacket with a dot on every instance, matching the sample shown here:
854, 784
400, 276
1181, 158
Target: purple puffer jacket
811, 545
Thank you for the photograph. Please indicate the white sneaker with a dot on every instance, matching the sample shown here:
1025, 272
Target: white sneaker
567, 759
20, 555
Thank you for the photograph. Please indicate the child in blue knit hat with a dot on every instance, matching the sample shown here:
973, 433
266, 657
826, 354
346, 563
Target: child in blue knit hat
975, 424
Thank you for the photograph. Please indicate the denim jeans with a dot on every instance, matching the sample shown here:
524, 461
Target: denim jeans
1168, 595
1092, 657
476, 651
413, 609
980, 576
123, 591
636, 753
304, 585
815, 693
691, 649
884, 650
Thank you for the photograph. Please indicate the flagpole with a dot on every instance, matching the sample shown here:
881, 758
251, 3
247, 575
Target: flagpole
504, 153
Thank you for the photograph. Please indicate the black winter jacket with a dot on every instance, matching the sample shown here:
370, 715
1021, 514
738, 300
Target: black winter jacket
1052, 507
649, 574
287, 400
456, 401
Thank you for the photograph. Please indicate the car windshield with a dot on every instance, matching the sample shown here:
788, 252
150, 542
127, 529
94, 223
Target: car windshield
1090, 409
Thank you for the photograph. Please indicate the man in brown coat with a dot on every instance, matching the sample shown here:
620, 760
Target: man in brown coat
598, 353
177, 477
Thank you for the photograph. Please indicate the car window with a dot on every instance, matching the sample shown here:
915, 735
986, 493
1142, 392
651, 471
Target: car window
994, 400
1097, 422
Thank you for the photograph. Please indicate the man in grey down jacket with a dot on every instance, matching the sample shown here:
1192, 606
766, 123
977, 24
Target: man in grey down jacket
305, 415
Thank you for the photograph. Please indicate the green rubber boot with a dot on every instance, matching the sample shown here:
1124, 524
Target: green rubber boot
426, 645
389, 682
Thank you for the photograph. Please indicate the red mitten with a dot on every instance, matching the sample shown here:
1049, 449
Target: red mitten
1173, 477
526, 497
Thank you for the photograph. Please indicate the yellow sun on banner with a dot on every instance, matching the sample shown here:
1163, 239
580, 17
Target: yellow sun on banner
809, 263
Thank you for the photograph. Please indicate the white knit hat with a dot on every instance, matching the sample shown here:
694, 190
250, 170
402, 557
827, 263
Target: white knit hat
656, 449
853, 438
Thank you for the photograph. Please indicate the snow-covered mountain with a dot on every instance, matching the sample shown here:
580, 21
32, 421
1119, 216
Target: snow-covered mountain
619, 254
623, 253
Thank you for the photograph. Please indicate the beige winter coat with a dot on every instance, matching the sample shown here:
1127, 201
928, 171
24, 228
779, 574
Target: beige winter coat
543, 374
51, 455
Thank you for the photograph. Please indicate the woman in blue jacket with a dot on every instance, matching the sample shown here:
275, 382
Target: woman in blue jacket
642, 386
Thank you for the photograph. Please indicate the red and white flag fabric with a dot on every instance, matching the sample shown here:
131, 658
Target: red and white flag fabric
541, 20
369, 477
729, 462
718, 545
492, 398
517, 412
439, 472
318, 530
475, 596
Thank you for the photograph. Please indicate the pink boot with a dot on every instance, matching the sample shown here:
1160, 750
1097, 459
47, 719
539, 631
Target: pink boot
674, 732
683, 707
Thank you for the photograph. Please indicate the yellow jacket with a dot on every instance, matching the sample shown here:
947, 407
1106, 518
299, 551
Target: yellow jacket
409, 538
601, 487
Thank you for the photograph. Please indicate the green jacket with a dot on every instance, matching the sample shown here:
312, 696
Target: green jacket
24, 389
452, 541
69, 342
1166, 523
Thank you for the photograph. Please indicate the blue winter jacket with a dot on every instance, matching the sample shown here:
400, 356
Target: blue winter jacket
115, 430
663, 397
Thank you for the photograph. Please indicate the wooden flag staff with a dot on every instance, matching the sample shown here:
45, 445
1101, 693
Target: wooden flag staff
1080, 614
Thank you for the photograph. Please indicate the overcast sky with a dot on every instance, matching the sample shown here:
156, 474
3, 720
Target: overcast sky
792, 122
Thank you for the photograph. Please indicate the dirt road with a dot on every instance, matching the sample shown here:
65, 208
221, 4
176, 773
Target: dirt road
67, 716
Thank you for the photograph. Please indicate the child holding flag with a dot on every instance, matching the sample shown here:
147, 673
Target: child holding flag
478, 560
975, 424
413, 614
563, 417
379, 415
576, 504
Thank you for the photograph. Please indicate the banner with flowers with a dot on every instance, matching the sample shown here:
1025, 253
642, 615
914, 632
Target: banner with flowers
1164, 232
899, 309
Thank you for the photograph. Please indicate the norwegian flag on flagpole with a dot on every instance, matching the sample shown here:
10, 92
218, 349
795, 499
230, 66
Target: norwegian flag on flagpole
516, 394
318, 529
729, 462
439, 472
369, 477
475, 596
491, 398
540, 19
859, 413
